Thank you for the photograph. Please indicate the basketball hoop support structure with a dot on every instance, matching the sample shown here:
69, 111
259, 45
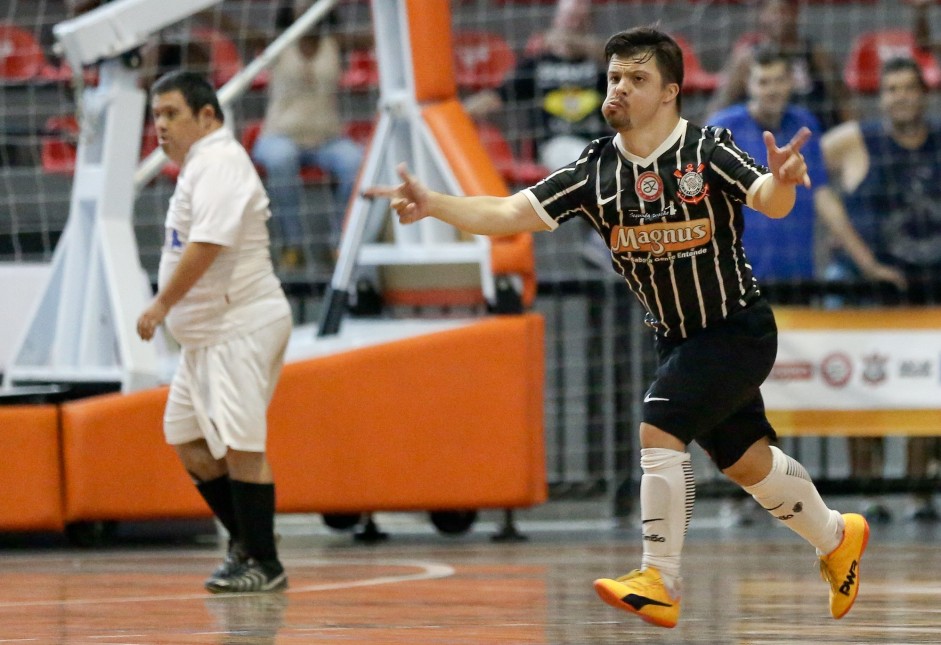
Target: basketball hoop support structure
421, 123
83, 327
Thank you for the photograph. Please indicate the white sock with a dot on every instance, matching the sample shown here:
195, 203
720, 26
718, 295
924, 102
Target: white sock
667, 493
789, 495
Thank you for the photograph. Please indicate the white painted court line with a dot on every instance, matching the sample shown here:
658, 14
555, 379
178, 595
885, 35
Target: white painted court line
428, 571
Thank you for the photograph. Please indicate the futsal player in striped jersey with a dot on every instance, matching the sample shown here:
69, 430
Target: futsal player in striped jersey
666, 196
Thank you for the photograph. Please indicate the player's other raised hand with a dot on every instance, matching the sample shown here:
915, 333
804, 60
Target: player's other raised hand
787, 163
409, 199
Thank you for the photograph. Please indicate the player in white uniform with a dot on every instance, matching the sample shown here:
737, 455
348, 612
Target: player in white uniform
221, 300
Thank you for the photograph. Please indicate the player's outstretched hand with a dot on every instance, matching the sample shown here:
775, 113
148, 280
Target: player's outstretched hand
409, 199
787, 163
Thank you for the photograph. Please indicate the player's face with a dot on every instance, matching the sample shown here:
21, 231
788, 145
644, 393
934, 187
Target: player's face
636, 92
902, 98
769, 89
177, 127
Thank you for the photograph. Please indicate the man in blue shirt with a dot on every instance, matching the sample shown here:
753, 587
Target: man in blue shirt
787, 252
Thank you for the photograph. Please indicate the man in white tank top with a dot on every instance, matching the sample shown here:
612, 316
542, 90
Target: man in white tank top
221, 300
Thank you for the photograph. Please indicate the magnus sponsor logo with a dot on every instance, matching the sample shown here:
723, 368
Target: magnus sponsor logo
792, 371
660, 238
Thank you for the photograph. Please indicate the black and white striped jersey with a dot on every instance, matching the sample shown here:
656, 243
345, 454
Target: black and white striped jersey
673, 221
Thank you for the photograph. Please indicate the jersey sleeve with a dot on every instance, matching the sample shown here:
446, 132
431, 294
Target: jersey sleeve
734, 168
562, 195
220, 197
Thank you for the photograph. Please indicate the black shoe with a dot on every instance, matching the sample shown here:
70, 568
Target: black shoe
877, 514
235, 557
926, 513
249, 577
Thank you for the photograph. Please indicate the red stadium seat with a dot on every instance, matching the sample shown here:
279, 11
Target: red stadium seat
21, 57
59, 145
250, 132
225, 60
359, 130
514, 170
482, 60
873, 48
362, 71
696, 78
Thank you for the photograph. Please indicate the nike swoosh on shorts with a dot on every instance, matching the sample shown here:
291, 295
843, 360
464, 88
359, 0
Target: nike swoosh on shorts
648, 398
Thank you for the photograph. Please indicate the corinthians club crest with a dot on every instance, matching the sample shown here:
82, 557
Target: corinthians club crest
692, 187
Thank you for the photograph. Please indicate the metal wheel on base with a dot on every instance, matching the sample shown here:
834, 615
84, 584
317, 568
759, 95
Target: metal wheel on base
91, 534
453, 522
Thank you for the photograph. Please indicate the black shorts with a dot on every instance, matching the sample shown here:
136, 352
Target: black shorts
706, 387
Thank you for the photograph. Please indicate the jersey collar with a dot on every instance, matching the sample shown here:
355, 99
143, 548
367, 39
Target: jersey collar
663, 147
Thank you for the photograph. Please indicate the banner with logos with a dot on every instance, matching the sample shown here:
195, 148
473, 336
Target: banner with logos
856, 372
877, 369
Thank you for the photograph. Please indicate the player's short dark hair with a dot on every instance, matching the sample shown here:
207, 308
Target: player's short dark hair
903, 64
644, 43
196, 90
769, 55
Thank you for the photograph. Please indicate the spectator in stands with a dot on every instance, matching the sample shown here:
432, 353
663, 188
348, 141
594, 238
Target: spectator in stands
562, 78
222, 302
788, 253
818, 84
562, 81
889, 169
303, 126
922, 25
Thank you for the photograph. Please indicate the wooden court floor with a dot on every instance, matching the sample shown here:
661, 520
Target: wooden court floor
742, 586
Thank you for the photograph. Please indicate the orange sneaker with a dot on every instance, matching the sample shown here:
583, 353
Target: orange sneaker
642, 593
841, 567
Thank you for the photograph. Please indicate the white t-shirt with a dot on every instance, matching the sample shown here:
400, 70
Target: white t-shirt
219, 199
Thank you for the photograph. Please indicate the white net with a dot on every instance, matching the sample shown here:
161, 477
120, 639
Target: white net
592, 382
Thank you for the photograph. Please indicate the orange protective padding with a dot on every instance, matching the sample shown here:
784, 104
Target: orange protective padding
447, 420
806, 318
429, 28
117, 463
31, 475
856, 423
468, 159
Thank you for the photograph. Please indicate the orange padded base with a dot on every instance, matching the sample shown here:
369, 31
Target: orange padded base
446, 420
117, 464
450, 420
31, 476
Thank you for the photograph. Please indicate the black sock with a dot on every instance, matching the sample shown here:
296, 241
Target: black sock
218, 494
254, 508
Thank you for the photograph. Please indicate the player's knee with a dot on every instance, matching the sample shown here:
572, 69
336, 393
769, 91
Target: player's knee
752, 466
653, 437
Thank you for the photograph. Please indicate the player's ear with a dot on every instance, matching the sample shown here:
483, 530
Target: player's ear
670, 92
206, 115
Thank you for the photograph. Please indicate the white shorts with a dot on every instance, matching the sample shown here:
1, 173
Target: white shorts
221, 393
